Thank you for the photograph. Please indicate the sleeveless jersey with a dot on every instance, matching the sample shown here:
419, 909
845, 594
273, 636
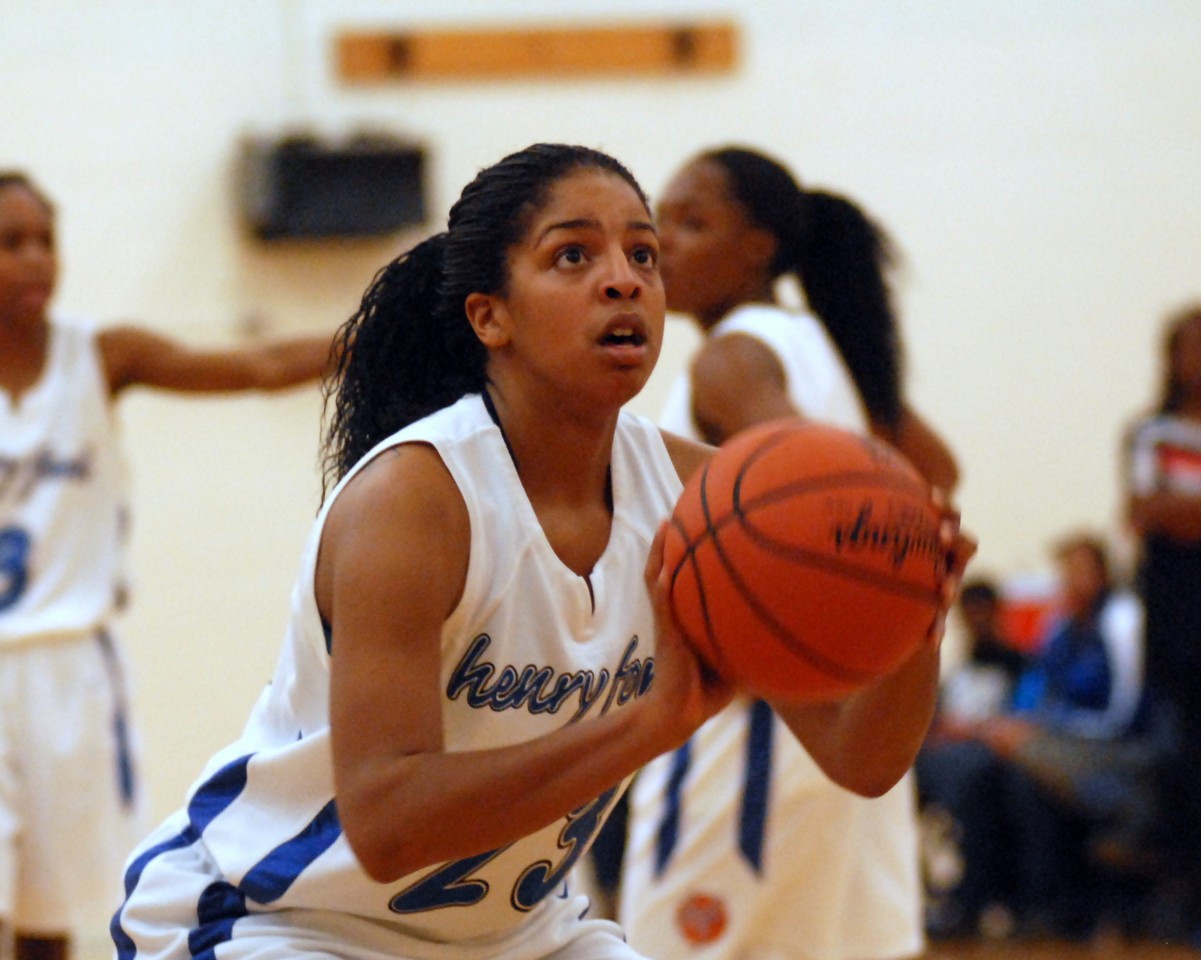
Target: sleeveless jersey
523, 654
738, 844
819, 384
62, 496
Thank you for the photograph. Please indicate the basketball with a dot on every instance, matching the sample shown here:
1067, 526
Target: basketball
804, 561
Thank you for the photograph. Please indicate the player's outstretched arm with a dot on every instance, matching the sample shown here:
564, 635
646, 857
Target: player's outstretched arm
133, 356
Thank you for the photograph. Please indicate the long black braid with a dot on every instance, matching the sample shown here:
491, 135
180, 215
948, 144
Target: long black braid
840, 257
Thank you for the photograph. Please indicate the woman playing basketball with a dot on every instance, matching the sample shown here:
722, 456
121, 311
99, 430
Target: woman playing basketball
474, 664
786, 863
68, 782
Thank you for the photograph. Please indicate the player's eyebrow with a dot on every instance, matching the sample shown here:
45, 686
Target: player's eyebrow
585, 223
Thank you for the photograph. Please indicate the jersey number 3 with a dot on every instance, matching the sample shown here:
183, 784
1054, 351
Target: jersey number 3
454, 886
14, 565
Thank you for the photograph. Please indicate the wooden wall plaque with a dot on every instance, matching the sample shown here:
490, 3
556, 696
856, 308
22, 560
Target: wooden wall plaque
655, 49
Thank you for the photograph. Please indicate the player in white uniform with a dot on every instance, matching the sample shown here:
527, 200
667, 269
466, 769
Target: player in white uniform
69, 799
475, 665
739, 846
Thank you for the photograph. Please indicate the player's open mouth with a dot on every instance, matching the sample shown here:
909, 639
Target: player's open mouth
624, 337
624, 330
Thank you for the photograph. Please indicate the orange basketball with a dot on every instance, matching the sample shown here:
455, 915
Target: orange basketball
804, 561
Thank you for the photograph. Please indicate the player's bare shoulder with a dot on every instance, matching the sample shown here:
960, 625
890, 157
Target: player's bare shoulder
687, 456
404, 503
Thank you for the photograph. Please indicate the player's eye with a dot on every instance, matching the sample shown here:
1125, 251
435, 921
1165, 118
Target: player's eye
571, 256
646, 256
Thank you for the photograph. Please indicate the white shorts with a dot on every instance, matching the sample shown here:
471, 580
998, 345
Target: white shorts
69, 805
838, 879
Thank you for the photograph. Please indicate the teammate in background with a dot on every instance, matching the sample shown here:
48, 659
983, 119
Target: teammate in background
1162, 464
480, 653
68, 780
739, 844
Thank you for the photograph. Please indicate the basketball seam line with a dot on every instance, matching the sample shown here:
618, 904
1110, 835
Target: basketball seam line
834, 670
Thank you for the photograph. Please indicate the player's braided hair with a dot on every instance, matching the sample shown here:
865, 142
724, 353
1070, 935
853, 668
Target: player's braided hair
409, 349
840, 257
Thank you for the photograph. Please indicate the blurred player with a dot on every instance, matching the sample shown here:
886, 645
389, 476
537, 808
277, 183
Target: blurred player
68, 775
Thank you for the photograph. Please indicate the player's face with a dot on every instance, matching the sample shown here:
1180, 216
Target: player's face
584, 309
28, 263
713, 257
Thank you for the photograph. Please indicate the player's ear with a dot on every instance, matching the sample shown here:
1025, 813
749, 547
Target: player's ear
760, 247
489, 318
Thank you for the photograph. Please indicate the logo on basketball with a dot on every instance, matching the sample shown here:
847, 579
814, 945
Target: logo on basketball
896, 533
702, 918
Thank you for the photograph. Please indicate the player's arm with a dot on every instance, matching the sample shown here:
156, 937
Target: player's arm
393, 561
687, 456
867, 741
924, 448
133, 356
737, 382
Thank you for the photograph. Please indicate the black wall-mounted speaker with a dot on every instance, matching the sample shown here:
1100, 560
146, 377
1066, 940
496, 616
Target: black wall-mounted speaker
301, 187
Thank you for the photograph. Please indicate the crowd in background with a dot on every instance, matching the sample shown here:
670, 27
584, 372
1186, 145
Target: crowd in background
1060, 782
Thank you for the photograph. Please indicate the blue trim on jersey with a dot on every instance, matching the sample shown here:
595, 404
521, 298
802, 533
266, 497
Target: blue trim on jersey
219, 908
752, 820
206, 805
126, 779
222, 904
271, 877
669, 827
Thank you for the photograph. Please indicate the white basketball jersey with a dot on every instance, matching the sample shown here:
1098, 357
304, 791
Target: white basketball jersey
818, 381
528, 650
739, 846
62, 496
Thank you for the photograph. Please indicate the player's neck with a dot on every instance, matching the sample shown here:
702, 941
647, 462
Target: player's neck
23, 349
1190, 407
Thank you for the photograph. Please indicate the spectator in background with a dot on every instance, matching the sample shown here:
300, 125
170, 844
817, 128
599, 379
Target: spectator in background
980, 687
1162, 476
983, 685
1072, 759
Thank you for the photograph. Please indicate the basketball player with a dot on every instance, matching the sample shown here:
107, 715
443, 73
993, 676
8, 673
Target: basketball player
739, 846
479, 654
68, 779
